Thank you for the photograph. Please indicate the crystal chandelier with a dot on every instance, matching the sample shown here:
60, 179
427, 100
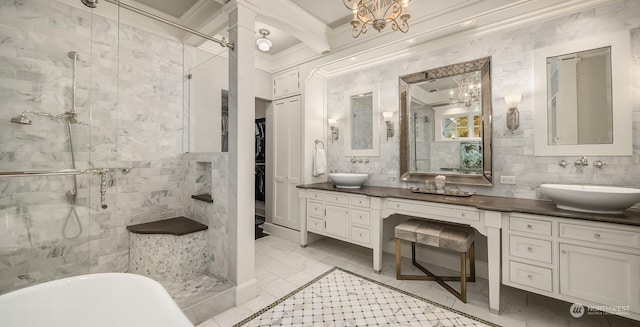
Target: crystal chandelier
469, 89
378, 13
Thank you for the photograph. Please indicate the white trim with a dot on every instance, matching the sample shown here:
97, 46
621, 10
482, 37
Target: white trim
375, 114
621, 94
431, 38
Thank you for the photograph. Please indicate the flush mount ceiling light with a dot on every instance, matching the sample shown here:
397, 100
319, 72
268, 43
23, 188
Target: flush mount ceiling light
378, 13
263, 43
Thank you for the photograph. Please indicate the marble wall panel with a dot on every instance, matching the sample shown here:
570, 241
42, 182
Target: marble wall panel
130, 101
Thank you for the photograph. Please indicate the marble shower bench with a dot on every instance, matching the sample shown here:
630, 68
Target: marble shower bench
175, 253
172, 249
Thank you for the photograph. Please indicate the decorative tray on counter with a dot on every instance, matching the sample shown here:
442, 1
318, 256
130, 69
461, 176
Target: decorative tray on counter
448, 193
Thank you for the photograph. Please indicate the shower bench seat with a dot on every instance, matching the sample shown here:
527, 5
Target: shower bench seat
173, 249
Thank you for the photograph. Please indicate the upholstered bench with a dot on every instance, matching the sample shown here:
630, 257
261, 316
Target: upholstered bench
441, 235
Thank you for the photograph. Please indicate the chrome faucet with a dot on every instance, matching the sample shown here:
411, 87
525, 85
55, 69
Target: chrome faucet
582, 162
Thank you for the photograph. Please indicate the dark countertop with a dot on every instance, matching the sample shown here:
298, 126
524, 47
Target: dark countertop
173, 226
484, 202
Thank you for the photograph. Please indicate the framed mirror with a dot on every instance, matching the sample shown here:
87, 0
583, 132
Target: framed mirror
581, 97
362, 121
445, 124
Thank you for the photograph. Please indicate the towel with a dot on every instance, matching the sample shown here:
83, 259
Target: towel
319, 163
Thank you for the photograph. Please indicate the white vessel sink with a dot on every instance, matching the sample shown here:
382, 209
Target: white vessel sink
348, 180
589, 198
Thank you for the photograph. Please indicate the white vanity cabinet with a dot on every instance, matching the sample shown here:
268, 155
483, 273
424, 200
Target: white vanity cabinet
346, 217
587, 262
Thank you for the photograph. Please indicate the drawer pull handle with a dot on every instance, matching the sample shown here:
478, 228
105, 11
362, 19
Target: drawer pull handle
597, 235
530, 276
529, 226
397, 206
564, 251
462, 214
530, 249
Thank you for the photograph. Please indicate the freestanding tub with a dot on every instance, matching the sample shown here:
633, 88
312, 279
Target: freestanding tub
95, 300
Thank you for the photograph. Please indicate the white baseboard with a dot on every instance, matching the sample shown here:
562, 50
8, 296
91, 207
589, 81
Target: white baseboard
246, 291
288, 234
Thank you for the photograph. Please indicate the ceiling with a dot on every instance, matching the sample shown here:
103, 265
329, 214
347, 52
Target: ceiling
310, 29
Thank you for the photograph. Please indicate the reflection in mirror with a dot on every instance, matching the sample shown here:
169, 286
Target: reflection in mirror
579, 104
446, 124
361, 120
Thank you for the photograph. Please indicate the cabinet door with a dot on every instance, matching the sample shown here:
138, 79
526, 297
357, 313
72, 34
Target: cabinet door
603, 277
286, 162
285, 84
337, 221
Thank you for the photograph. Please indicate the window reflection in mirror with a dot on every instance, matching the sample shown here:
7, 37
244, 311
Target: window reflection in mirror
579, 98
361, 121
446, 123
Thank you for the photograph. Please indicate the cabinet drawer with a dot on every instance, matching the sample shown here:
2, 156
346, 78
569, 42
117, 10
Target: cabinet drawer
315, 225
361, 217
335, 197
600, 235
427, 210
529, 275
530, 248
315, 209
360, 235
315, 195
360, 201
534, 226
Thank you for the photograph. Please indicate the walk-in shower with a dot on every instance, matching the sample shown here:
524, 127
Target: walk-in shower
68, 117
129, 110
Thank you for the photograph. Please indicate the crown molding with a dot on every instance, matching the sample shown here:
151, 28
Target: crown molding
441, 34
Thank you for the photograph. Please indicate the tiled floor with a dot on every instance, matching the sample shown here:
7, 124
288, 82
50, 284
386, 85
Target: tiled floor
283, 266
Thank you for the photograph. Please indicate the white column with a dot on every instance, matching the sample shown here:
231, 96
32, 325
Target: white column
493, 222
241, 150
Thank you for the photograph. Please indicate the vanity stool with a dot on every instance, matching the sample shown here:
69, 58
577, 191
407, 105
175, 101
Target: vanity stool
440, 235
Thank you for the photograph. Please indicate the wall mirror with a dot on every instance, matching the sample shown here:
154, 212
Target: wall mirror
362, 132
445, 124
581, 97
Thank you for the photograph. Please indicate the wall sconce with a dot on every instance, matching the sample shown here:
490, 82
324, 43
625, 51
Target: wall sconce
388, 115
513, 115
334, 129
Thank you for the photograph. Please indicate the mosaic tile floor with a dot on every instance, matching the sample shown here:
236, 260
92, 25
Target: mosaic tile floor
342, 298
198, 285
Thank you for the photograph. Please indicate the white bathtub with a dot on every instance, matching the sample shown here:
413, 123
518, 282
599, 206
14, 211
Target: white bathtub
95, 300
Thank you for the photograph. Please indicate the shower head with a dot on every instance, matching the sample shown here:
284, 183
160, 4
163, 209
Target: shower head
22, 120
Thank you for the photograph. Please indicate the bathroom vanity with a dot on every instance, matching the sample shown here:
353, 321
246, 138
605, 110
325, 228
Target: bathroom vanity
586, 258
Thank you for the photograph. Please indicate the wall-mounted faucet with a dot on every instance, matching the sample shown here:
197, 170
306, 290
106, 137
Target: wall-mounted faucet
582, 162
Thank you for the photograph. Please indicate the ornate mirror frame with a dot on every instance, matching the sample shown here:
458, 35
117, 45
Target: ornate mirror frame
484, 66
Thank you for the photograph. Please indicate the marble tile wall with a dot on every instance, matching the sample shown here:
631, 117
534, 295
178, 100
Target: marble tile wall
207, 173
130, 102
511, 68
